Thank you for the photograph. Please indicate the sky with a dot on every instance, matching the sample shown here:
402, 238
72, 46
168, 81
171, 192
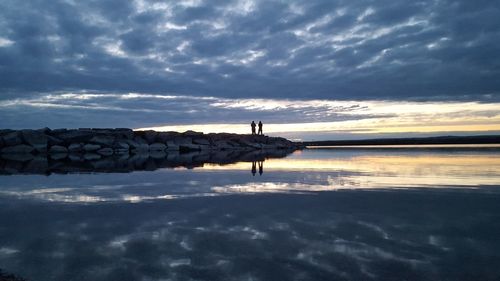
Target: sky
310, 70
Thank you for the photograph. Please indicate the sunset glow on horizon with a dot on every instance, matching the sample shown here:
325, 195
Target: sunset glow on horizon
370, 117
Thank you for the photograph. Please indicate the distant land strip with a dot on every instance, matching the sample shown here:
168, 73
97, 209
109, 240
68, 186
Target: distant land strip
484, 139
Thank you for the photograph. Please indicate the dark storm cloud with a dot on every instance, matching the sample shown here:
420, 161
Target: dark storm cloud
446, 50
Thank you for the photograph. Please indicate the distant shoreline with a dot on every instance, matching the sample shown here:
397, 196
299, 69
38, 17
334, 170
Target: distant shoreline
442, 140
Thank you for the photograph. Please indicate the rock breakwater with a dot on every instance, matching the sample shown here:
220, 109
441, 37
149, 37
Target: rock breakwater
48, 151
106, 142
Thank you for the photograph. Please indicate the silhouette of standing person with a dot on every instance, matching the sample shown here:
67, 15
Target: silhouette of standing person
253, 127
260, 128
261, 167
254, 168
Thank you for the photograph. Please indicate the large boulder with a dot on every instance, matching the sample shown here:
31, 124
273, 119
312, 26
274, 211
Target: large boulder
91, 156
75, 147
122, 145
183, 141
157, 147
189, 147
39, 165
58, 156
56, 149
91, 147
138, 144
12, 139
106, 151
54, 141
150, 136
171, 146
163, 137
37, 139
3, 132
45, 130
250, 144
103, 140
20, 148
201, 141
124, 133
220, 144
190, 133
80, 135
20, 157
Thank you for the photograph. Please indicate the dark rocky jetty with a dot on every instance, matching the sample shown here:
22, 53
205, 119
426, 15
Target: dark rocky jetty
46, 151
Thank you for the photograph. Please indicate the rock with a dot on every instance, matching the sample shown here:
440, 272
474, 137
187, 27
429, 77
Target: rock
122, 145
183, 140
204, 147
138, 145
91, 156
140, 140
201, 141
150, 165
12, 139
58, 156
157, 154
75, 147
3, 132
103, 140
58, 131
80, 135
21, 148
45, 130
157, 147
163, 137
171, 146
54, 141
124, 133
13, 167
107, 151
104, 164
75, 157
190, 133
222, 145
189, 147
250, 144
138, 160
20, 157
121, 151
58, 149
39, 165
131, 143
91, 147
150, 136
37, 139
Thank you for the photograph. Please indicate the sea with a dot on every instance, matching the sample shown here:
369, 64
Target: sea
321, 213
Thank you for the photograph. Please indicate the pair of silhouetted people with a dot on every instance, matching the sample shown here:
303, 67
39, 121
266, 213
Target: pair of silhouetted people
261, 167
253, 125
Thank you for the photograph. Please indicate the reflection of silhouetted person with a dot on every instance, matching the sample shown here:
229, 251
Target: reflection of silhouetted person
254, 168
253, 127
260, 128
261, 167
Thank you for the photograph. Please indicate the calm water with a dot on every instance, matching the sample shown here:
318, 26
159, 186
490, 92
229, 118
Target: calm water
429, 213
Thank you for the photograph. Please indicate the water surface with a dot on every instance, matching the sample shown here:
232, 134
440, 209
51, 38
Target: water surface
318, 214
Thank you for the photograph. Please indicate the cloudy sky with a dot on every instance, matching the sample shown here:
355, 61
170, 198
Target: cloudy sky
308, 69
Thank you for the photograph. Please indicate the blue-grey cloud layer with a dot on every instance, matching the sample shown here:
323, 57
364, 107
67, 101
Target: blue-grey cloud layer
396, 50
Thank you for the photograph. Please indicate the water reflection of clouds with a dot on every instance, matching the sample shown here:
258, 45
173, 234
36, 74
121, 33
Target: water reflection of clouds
345, 235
